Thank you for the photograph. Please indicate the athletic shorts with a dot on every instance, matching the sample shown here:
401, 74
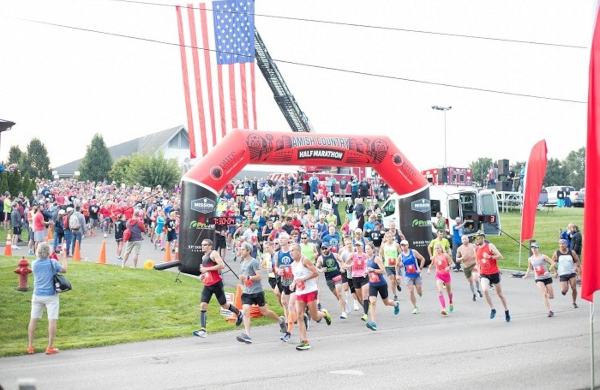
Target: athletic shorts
217, 290
345, 277
254, 299
443, 277
566, 278
469, 271
546, 281
493, 278
17, 230
284, 289
273, 282
381, 290
418, 281
308, 298
51, 303
220, 243
359, 282
331, 283
391, 271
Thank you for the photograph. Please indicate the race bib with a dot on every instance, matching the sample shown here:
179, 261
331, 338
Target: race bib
392, 261
411, 269
248, 283
539, 271
373, 277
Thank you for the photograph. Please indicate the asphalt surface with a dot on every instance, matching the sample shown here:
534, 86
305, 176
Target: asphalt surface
410, 351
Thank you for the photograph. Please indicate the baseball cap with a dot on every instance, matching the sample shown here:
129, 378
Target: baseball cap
60, 212
324, 245
403, 242
480, 233
69, 209
562, 241
358, 230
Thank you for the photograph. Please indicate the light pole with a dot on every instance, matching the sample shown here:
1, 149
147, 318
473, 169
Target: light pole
442, 108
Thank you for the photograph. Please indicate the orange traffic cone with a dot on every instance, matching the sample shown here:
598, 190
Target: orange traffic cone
76, 253
8, 247
102, 254
167, 253
50, 234
176, 252
255, 312
237, 302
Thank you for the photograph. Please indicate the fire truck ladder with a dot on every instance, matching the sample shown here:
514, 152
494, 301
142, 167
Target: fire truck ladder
297, 120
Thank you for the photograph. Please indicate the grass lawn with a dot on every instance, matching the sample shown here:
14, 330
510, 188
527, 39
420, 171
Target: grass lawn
109, 305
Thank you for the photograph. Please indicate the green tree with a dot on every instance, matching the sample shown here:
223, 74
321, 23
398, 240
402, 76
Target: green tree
575, 168
15, 156
36, 161
151, 170
97, 161
479, 168
27, 185
120, 169
4, 182
555, 173
15, 183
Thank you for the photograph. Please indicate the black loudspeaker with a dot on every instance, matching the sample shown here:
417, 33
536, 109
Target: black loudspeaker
442, 175
504, 186
503, 168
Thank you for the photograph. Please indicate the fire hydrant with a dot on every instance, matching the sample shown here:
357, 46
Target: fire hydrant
23, 272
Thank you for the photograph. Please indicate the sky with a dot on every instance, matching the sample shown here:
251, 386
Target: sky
526, 81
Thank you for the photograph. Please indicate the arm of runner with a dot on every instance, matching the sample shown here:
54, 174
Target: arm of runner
528, 268
549, 261
420, 257
216, 258
496, 255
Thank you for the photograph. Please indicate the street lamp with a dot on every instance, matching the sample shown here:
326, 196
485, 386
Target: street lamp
441, 108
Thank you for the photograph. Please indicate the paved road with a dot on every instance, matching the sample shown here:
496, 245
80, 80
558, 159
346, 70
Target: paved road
463, 350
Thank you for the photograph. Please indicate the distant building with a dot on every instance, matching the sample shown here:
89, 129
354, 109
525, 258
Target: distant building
174, 143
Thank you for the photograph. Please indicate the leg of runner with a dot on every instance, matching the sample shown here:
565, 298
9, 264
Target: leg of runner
498, 289
450, 296
341, 300
300, 309
573, 282
485, 286
440, 286
373, 313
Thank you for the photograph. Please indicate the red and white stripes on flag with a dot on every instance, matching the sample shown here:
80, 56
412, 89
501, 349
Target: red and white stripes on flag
217, 64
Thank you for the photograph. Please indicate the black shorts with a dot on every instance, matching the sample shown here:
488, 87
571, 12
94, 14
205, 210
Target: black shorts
254, 299
493, 278
216, 289
17, 230
359, 282
546, 281
220, 243
344, 277
283, 289
273, 282
381, 290
566, 278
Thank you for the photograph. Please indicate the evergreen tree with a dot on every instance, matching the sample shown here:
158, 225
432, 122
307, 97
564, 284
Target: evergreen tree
97, 162
4, 182
36, 161
15, 156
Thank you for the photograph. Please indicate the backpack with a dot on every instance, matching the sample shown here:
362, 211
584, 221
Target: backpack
126, 235
74, 222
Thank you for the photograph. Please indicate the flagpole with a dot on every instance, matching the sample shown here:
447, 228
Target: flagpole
592, 363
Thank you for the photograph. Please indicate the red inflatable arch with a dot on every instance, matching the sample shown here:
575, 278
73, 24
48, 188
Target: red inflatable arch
202, 185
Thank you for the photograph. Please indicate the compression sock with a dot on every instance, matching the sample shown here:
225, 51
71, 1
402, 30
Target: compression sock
366, 306
450, 295
291, 320
234, 309
442, 301
472, 289
203, 319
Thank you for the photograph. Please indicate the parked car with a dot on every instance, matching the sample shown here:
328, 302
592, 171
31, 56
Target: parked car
577, 198
552, 192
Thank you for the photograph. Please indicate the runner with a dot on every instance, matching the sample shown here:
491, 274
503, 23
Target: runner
213, 284
568, 268
283, 262
487, 257
377, 285
465, 254
252, 292
305, 286
346, 252
358, 264
543, 279
412, 275
390, 250
268, 258
329, 263
442, 263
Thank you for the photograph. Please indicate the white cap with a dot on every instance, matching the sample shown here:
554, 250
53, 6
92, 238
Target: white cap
69, 209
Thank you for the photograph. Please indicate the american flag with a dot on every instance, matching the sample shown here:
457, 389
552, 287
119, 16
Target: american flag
221, 62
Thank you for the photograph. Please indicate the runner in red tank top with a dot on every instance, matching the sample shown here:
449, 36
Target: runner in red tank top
487, 256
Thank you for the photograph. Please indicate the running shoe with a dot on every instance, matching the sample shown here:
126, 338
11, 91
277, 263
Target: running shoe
443, 312
397, 308
398, 287
507, 316
480, 294
105, 235
372, 326
355, 306
474, 297
282, 324
303, 346
415, 310
30, 350
395, 297
240, 319
343, 316
306, 321
200, 333
550, 313
244, 338
286, 337
451, 308
51, 350
327, 316
492, 314
348, 308
574, 305
364, 317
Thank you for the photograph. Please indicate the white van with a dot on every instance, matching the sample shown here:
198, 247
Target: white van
478, 208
